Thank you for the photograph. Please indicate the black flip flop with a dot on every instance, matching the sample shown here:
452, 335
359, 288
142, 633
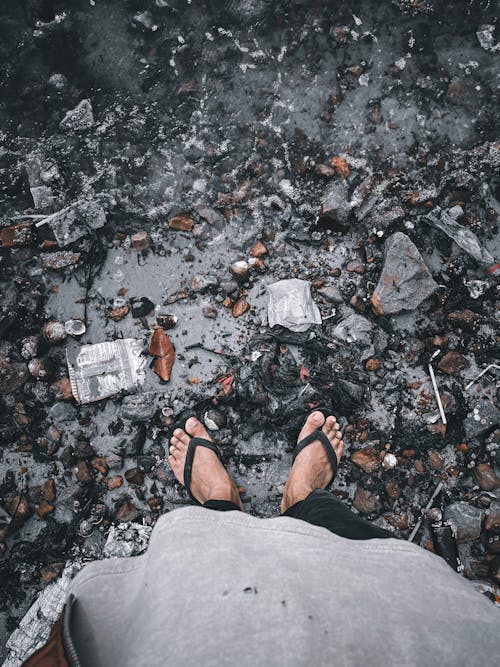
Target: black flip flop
188, 464
319, 435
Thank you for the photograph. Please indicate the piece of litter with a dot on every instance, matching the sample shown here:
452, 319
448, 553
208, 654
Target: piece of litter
436, 392
105, 369
469, 385
291, 305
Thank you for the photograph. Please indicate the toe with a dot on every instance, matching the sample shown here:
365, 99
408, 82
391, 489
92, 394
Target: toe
196, 429
313, 423
181, 436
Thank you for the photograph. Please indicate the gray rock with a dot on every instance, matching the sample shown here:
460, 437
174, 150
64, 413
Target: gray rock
139, 407
466, 520
331, 294
354, 329
483, 418
405, 281
63, 412
74, 221
79, 118
335, 206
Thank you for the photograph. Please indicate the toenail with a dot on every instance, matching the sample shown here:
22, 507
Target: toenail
177, 432
317, 417
191, 422
171, 450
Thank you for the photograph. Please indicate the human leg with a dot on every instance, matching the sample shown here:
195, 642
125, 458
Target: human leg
304, 496
210, 483
321, 508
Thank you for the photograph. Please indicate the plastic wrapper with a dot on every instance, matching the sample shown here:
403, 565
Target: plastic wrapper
291, 305
105, 369
462, 236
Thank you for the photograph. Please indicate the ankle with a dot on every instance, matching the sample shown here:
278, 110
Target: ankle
295, 495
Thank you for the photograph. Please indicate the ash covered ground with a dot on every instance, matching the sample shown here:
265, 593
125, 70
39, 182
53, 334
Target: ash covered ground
314, 140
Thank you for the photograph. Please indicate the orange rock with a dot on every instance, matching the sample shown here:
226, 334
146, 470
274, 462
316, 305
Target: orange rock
340, 166
44, 508
366, 458
258, 249
48, 490
181, 223
118, 314
162, 348
62, 388
372, 365
240, 307
163, 367
114, 482
100, 464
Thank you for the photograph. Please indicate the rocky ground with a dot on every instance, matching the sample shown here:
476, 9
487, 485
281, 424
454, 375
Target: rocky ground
200, 152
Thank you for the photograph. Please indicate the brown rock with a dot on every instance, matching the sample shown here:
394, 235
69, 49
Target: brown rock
48, 490
465, 319
419, 467
60, 260
62, 389
373, 365
134, 476
210, 312
114, 482
393, 489
19, 509
365, 501
140, 240
118, 314
340, 166
127, 512
155, 504
240, 307
486, 477
44, 508
181, 223
324, 170
453, 362
492, 523
258, 249
12, 375
367, 459
436, 461
399, 521
100, 464
16, 236
83, 472
51, 571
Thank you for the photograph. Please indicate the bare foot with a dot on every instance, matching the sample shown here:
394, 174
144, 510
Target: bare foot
209, 478
312, 468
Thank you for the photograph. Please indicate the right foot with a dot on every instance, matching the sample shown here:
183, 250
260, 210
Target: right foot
312, 468
209, 479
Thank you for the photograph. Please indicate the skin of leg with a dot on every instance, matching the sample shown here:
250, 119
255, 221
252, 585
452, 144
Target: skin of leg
312, 468
209, 479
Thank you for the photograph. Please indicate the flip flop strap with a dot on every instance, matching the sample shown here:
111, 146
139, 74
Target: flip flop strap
188, 466
318, 435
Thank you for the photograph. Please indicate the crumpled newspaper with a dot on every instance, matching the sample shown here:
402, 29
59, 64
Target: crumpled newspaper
291, 305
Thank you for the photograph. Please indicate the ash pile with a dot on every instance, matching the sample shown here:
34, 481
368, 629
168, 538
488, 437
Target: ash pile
241, 215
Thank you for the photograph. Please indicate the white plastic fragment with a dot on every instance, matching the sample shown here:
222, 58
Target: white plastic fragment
291, 305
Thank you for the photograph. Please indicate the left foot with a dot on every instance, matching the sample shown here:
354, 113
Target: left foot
209, 479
